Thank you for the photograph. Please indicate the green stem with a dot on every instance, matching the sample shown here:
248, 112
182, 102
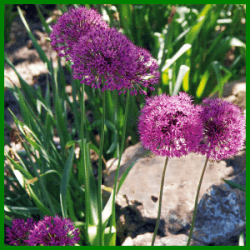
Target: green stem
160, 201
120, 156
100, 172
196, 202
83, 176
81, 170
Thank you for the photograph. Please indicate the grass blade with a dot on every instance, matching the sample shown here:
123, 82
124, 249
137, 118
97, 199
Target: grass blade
235, 185
42, 19
182, 72
180, 52
27, 89
65, 182
241, 239
216, 67
194, 31
202, 84
38, 48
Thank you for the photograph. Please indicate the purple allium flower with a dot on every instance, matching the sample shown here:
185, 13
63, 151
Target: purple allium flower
170, 125
224, 129
17, 235
53, 231
108, 59
72, 25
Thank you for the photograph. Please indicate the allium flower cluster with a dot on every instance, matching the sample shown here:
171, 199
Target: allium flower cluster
53, 231
170, 125
18, 234
72, 25
224, 129
108, 59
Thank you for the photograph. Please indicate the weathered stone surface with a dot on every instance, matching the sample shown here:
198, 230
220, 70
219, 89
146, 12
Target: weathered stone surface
170, 240
221, 213
129, 156
181, 180
138, 197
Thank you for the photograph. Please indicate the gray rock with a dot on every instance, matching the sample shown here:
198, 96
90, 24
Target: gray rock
221, 213
170, 240
138, 197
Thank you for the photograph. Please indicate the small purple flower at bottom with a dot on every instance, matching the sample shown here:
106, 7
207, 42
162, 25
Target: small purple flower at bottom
170, 125
54, 231
224, 129
17, 235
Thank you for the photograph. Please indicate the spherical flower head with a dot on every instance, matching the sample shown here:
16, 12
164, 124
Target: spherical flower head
17, 235
72, 25
170, 125
224, 129
53, 231
108, 59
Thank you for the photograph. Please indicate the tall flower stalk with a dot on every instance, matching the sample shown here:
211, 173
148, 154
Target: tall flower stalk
112, 219
223, 136
160, 201
196, 202
169, 126
100, 172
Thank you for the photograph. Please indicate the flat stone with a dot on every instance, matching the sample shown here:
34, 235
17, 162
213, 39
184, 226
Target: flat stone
170, 240
221, 215
181, 181
138, 198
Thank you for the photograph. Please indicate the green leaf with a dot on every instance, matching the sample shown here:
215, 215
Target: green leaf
194, 31
92, 233
216, 66
107, 211
235, 185
202, 83
38, 48
241, 239
182, 72
22, 210
110, 126
61, 117
27, 89
16, 166
42, 19
237, 43
38, 203
7, 220
110, 236
124, 175
180, 52
125, 18
220, 80
65, 182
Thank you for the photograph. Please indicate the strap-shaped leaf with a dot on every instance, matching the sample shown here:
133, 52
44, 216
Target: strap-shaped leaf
111, 126
235, 185
38, 48
65, 182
